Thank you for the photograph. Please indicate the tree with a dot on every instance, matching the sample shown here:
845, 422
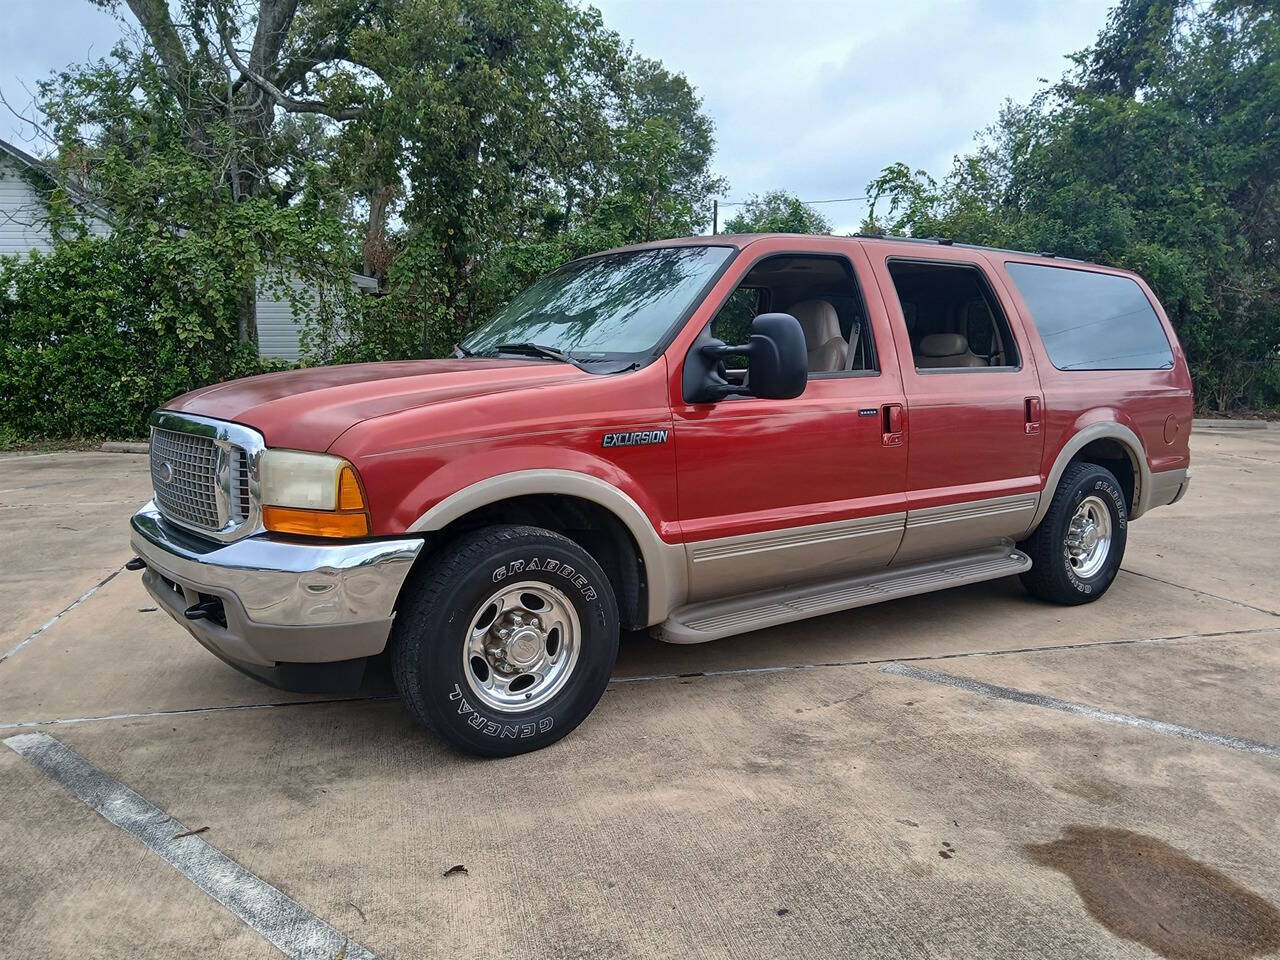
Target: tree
1158, 151
777, 212
215, 105
454, 149
425, 138
539, 135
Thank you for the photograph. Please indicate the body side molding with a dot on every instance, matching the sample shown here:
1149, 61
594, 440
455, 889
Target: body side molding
940, 531
754, 561
664, 562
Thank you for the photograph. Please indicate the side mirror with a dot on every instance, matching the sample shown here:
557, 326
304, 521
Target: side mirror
777, 363
777, 357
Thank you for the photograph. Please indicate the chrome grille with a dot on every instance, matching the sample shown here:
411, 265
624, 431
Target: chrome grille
204, 473
243, 503
184, 476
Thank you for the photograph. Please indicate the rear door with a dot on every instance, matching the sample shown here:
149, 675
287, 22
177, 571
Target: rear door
974, 402
776, 492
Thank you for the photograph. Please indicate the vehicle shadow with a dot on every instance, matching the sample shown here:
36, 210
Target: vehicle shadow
980, 617
991, 617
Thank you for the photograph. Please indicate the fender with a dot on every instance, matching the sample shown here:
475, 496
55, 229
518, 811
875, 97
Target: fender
1100, 430
664, 562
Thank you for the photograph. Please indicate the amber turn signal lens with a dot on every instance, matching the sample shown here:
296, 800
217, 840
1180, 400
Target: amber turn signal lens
349, 495
316, 523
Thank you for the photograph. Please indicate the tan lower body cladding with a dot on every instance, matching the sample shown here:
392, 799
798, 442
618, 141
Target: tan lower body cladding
774, 558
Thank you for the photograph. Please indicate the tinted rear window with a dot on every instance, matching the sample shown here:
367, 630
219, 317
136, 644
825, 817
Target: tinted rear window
1092, 321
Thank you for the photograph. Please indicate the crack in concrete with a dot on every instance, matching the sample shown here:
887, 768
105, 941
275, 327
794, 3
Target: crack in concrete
63, 612
191, 711
1014, 695
650, 678
1241, 456
1203, 593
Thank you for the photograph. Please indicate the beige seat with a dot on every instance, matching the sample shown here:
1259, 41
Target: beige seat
828, 350
947, 350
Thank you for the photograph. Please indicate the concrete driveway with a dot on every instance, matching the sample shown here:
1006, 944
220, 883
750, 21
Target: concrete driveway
966, 774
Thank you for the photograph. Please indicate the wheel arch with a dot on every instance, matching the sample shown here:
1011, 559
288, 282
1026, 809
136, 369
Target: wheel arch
663, 580
1092, 444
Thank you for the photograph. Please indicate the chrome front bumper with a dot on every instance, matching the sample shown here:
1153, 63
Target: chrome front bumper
283, 601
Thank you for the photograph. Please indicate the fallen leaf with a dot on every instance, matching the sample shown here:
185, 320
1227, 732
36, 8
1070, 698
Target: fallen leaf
456, 868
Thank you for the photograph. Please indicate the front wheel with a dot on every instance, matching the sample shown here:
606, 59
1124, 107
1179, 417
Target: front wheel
1077, 548
506, 641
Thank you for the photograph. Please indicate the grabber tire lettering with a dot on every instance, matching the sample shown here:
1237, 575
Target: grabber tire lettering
441, 631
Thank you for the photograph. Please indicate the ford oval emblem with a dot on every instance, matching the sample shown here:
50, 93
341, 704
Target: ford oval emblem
166, 472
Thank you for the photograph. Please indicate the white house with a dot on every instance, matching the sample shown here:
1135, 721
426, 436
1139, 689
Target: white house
23, 215
24, 227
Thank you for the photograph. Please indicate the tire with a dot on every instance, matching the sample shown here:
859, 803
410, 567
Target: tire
1068, 573
568, 640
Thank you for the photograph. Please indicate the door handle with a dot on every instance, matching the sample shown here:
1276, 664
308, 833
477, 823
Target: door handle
1031, 406
891, 425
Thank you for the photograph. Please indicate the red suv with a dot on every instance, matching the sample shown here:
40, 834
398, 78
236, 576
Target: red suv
703, 436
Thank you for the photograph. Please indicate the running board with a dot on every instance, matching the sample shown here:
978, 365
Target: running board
713, 619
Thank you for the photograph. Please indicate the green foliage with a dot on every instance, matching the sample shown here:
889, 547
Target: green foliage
103, 330
97, 334
453, 149
1159, 152
521, 135
777, 212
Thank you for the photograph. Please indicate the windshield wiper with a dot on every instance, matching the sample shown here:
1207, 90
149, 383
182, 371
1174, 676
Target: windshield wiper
536, 350
461, 351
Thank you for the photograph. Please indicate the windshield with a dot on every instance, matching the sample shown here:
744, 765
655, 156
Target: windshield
609, 307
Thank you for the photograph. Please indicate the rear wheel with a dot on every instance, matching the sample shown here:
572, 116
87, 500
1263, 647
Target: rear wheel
1077, 548
506, 641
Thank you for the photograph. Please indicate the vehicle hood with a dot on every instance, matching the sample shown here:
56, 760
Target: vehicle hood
309, 409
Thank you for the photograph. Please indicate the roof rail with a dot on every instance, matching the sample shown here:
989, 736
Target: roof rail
897, 239
948, 242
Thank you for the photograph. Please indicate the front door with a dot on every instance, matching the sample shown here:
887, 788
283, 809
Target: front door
974, 403
779, 492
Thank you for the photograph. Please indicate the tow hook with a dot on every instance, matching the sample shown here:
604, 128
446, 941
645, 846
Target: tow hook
137, 563
202, 611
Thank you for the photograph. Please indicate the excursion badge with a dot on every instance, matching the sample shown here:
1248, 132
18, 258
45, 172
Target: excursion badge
634, 438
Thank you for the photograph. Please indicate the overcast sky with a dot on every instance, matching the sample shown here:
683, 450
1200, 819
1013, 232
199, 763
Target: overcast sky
812, 96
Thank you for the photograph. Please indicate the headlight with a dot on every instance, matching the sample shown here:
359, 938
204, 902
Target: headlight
312, 494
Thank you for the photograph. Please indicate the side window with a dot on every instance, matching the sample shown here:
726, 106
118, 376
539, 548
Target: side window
732, 323
1092, 321
820, 292
953, 318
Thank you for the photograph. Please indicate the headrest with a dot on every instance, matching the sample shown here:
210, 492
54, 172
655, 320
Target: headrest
944, 345
818, 319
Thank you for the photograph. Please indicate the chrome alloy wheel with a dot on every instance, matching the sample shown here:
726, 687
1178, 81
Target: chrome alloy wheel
521, 646
1088, 538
